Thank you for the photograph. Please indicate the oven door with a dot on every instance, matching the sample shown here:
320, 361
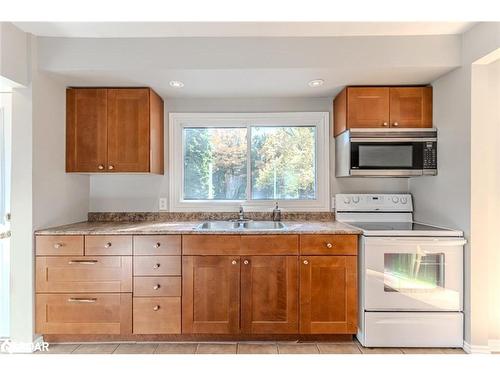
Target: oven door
413, 274
381, 156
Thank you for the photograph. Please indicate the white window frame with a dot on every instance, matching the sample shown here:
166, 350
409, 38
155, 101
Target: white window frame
179, 121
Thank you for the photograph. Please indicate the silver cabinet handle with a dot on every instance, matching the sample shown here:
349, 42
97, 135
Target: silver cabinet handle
111, 167
157, 245
234, 262
108, 245
156, 287
306, 261
157, 265
396, 124
82, 300
156, 308
100, 167
58, 245
385, 124
81, 261
245, 261
329, 245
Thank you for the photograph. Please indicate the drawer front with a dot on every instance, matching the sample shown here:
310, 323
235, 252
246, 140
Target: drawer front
326, 244
270, 244
92, 313
157, 286
59, 245
157, 315
209, 244
108, 245
157, 266
157, 245
84, 274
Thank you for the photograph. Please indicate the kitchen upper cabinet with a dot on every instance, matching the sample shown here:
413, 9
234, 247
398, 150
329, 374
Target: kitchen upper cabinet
210, 294
114, 130
382, 107
269, 294
328, 294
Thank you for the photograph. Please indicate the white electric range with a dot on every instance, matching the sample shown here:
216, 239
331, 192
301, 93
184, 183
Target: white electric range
410, 274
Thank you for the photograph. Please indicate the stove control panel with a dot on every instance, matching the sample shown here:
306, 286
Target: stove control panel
373, 202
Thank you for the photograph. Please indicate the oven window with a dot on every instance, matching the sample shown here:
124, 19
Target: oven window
413, 272
385, 156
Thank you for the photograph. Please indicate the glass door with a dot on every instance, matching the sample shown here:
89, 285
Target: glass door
5, 163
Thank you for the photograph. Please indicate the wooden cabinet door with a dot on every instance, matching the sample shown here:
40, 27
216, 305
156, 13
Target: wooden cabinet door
269, 294
411, 107
210, 294
128, 130
86, 130
368, 107
328, 294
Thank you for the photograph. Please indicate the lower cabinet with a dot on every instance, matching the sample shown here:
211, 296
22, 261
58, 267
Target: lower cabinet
157, 315
328, 294
88, 313
269, 294
210, 294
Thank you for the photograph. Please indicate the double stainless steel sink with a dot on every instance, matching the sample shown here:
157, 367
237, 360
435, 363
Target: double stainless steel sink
241, 225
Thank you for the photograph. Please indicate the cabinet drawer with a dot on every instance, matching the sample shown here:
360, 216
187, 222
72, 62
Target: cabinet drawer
209, 244
157, 245
84, 274
93, 313
157, 266
326, 244
157, 315
59, 245
157, 286
269, 244
108, 245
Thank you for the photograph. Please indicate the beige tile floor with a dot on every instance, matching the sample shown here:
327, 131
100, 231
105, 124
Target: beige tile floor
238, 348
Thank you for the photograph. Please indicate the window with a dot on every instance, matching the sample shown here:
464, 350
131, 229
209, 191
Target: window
225, 160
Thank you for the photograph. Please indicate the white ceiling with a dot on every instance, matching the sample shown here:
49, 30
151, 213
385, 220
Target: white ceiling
238, 29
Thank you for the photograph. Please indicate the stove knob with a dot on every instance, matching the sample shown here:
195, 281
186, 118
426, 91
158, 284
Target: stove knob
404, 200
347, 200
355, 199
395, 199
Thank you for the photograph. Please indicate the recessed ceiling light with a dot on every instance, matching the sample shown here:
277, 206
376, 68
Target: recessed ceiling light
176, 84
316, 83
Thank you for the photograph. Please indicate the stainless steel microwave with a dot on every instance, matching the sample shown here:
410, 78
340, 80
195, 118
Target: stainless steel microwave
386, 152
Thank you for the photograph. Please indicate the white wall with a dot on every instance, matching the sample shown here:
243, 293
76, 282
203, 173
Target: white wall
141, 193
446, 199
14, 54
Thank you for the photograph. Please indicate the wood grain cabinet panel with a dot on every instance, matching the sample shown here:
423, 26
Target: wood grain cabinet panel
328, 294
329, 244
157, 245
59, 245
84, 313
278, 244
210, 294
368, 107
157, 286
411, 107
208, 244
83, 274
108, 245
157, 315
157, 265
269, 294
86, 130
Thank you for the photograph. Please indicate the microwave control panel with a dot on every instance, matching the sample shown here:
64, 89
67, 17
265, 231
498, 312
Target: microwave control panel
430, 155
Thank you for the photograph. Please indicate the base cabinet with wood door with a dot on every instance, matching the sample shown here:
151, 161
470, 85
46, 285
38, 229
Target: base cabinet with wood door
382, 107
114, 130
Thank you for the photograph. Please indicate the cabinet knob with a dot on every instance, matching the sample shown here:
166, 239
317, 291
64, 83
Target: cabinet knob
396, 123
110, 167
157, 245
156, 308
385, 124
156, 287
245, 261
108, 245
306, 261
234, 262
329, 245
100, 167
157, 265
58, 245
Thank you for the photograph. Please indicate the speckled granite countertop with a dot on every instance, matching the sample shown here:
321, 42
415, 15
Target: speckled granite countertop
191, 227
